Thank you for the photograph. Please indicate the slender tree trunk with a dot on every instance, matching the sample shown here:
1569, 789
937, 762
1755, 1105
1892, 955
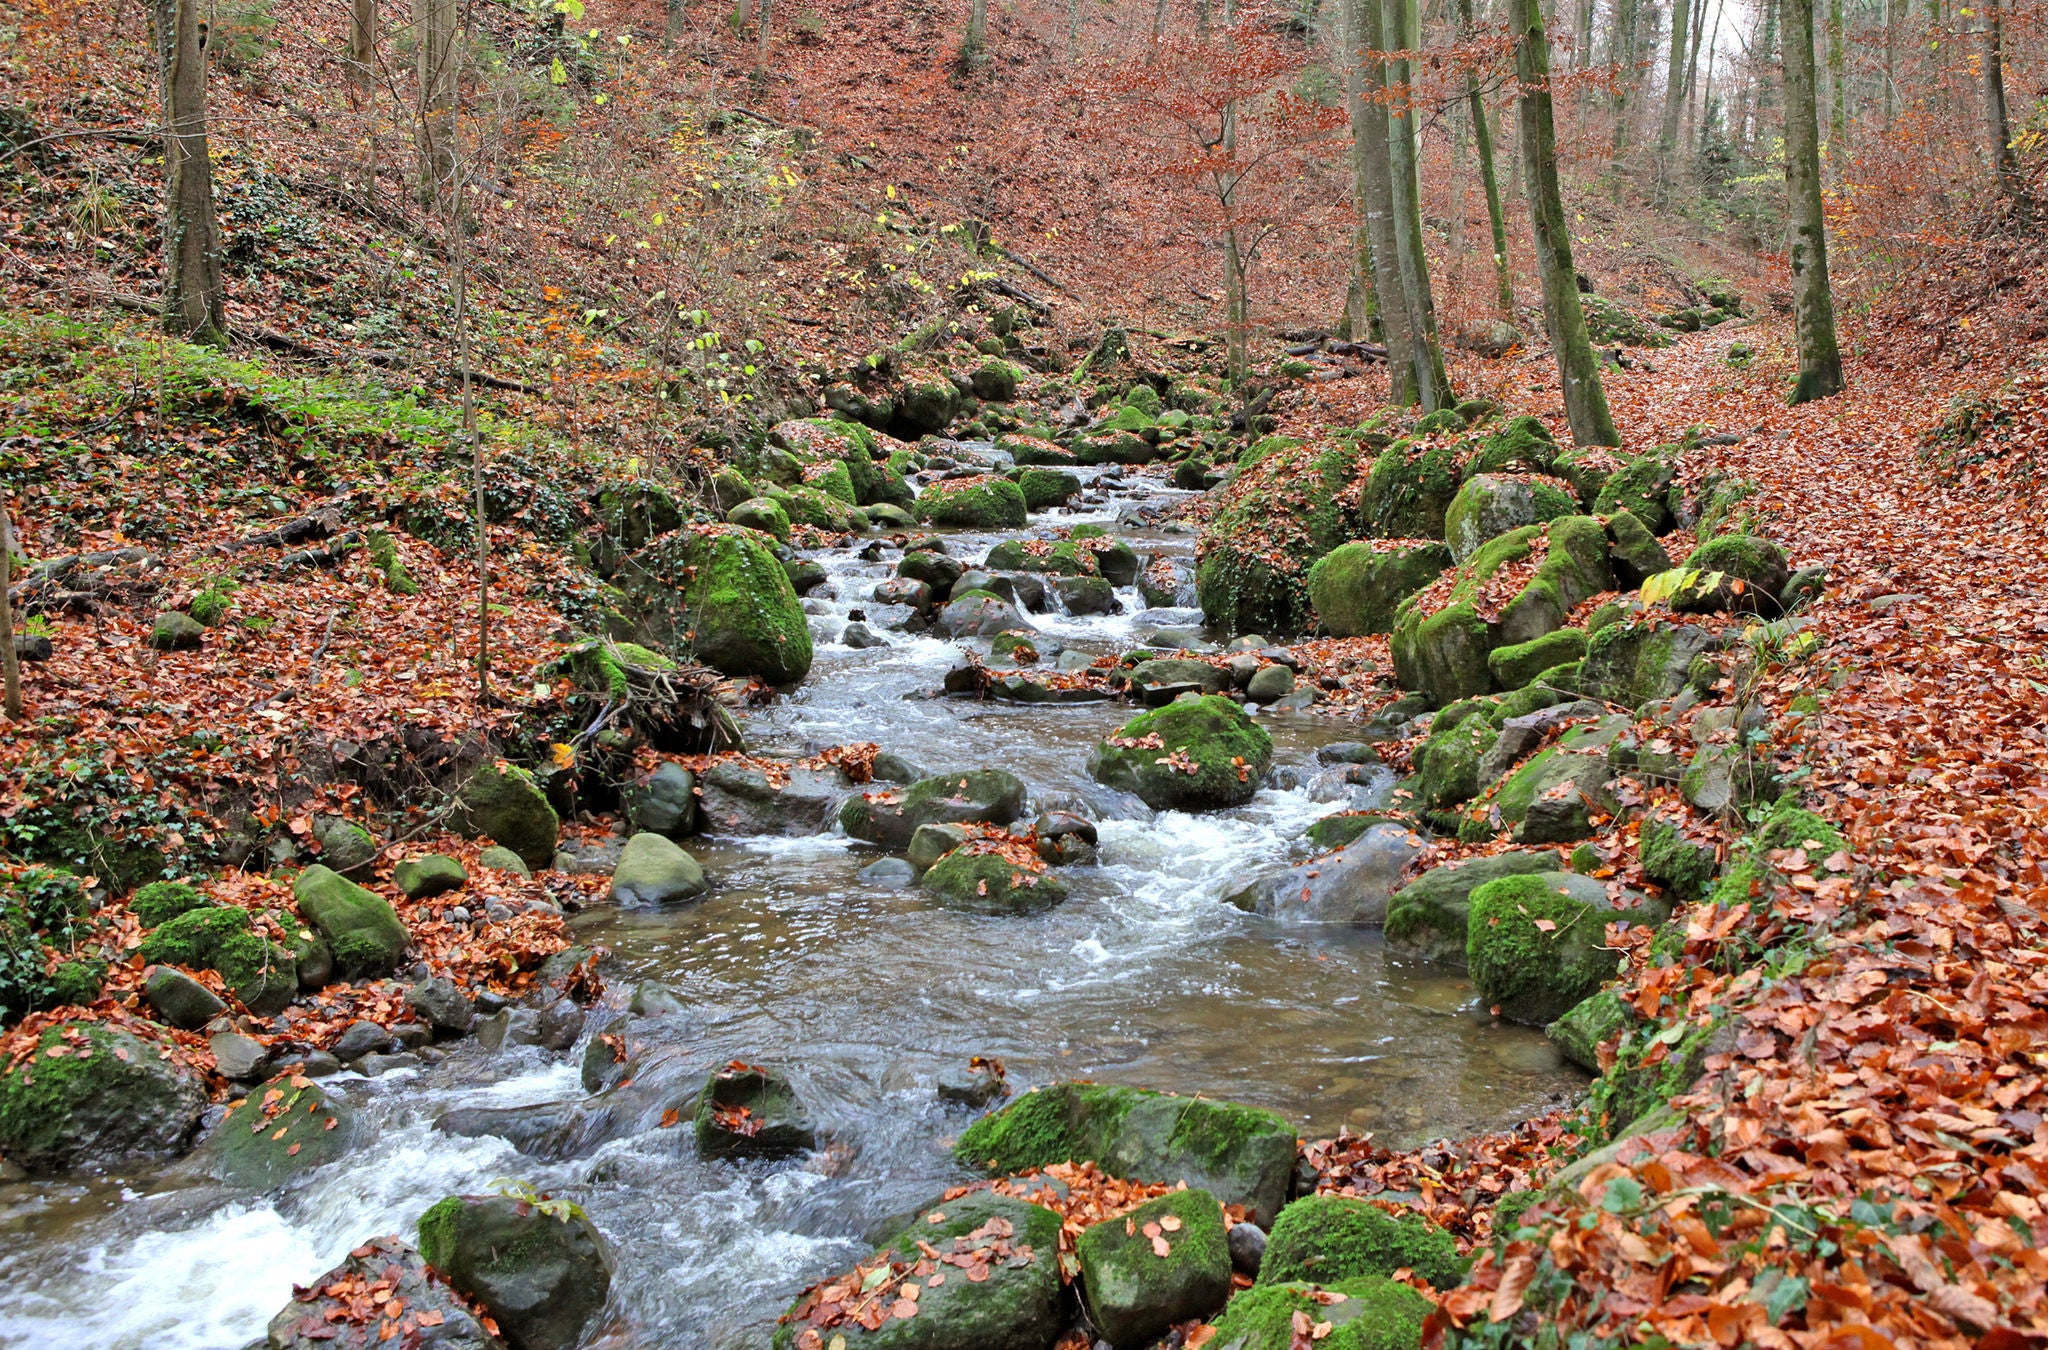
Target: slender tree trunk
1582, 36
1813, 304
1621, 54
764, 35
1674, 92
2005, 162
1891, 57
362, 41
1482, 139
977, 32
10, 660
1376, 157
1692, 74
195, 295
436, 60
1361, 296
1236, 311
1585, 402
1838, 89
1159, 19
1402, 33
676, 14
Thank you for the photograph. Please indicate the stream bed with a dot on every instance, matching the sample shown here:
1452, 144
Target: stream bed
1145, 976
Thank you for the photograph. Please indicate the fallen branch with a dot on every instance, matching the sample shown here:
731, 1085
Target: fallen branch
318, 523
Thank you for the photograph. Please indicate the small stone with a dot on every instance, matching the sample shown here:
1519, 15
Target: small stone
891, 873
509, 1026
652, 998
361, 1038
180, 1000
412, 1035
653, 869
976, 1084
319, 1064
501, 859
1247, 1248
175, 632
444, 1005
238, 1057
1270, 685
561, 1022
860, 637
432, 875
376, 1066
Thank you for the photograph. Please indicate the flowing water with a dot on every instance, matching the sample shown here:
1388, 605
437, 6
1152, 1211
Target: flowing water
1144, 976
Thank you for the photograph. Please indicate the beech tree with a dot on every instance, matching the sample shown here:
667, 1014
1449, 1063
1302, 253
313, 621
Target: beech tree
436, 56
195, 296
1585, 402
1813, 303
1482, 141
1400, 34
10, 660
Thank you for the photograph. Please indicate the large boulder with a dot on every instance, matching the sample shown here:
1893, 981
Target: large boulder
1427, 917
1557, 796
542, 1272
1043, 488
979, 614
359, 926
985, 878
1057, 557
279, 1132
664, 802
263, 975
1633, 663
1194, 754
983, 502
653, 870
1748, 574
324, 1314
1536, 945
1372, 1313
1356, 588
1327, 1239
1351, 885
1241, 1154
425, 877
87, 1095
720, 593
1178, 670
1002, 1289
1167, 1261
736, 798
1491, 504
976, 796
1286, 509
1644, 487
1409, 491
503, 803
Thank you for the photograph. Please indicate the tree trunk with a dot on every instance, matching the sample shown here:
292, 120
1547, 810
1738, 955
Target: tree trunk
2005, 162
1621, 54
763, 35
1891, 57
977, 31
1482, 139
1692, 74
195, 296
1582, 36
1236, 311
10, 660
362, 41
1838, 89
1674, 91
1813, 305
1361, 295
437, 130
1159, 20
1401, 31
1375, 160
677, 14
1585, 402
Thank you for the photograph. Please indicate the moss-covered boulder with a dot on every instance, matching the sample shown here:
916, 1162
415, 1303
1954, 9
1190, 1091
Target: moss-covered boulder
1631, 663
318, 1320
1171, 670
751, 1111
1736, 573
1054, 557
1489, 505
279, 1132
1029, 449
541, 1273
989, 881
1635, 552
359, 926
761, 513
654, 870
975, 796
1684, 866
1167, 1261
1276, 519
1643, 487
1409, 491
1194, 754
995, 380
1016, 1301
1046, 488
1241, 1154
1364, 1314
1556, 796
222, 938
1519, 445
1427, 918
434, 874
1588, 1025
1328, 1239
983, 502
87, 1095
178, 1000
161, 900
720, 593
806, 505
503, 803
1357, 587
1536, 945
1515, 666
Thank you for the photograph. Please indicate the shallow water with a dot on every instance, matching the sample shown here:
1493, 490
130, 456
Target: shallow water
1144, 976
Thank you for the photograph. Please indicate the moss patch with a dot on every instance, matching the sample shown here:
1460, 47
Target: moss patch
1326, 1239
1191, 755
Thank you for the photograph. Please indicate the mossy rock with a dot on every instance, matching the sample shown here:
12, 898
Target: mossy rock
77, 983
279, 1132
1046, 488
1061, 557
1409, 491
975, 796
543, 1277
1207, 676
981, 503
1276, 519
88, 1095
262, 974
1519, 445
1165, 1262
1757, 564
1019, 1306
995, 380
989, 883
1653, 1063
1536, 945
1365, 1314
776, 1124
1590, 1024
1328, 1239
504, 803
360, 927
434, 874
1553, 797
1491, 504
1029, 450
1720, 503
763, 514
1215, 755
1642, 487
1636, 554
1114, 445
176, 632
1608, 322
819, 510
1243, 1155
1335, 832
1447, 764
1428, 918
1636, 662
1357, 588
161, 901
1684, 867
720, 593
1513, 667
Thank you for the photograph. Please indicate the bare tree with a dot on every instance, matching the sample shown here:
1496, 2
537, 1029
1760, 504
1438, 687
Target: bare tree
1370, 127
1674, 91
1585, 402
1482, 138
10, 660
1401, 34
1813, 303
437, 60
195, 296
2005, 162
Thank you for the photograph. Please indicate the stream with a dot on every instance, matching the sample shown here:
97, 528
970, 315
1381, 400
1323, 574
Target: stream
1143, 977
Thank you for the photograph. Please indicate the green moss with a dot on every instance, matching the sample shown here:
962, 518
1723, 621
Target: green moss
261, 973
763, 514
1228, 752
1642, 487
1044, 488
1589, 1024
1447, 764
1515, 666
1521, 444
1133, 1293
1428, 917
1408, 491
77, 982
1684, 868
1327, 1239
1651, 1066
1721, 504
211, 605
1357, 588
384, 557
1334, 832
722, 594
1533, 950
984, 503
1366, 1314
361, 928
439, 1231
1789, 825
991, 883
1065, 558
1276, 520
